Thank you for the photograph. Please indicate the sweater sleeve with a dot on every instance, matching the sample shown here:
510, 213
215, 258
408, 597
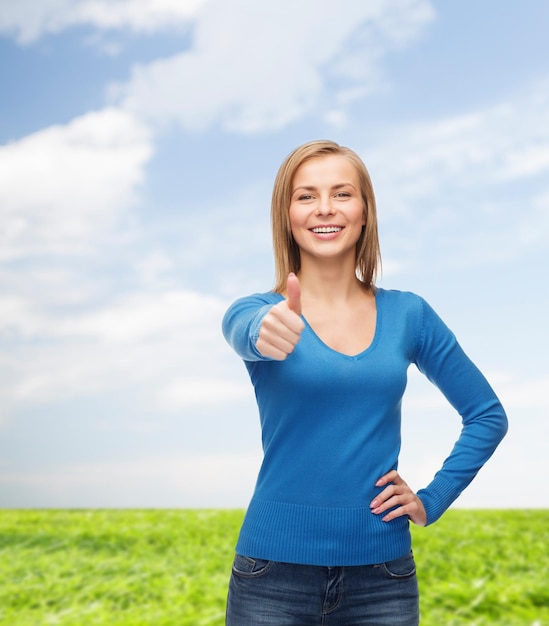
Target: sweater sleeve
241, 325
484, 423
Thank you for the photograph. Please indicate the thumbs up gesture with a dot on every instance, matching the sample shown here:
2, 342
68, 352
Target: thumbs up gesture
282, 326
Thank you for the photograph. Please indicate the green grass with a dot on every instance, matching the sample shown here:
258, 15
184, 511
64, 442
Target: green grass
484, 567
171, 568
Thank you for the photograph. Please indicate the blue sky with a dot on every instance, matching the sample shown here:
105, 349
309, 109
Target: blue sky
138, 144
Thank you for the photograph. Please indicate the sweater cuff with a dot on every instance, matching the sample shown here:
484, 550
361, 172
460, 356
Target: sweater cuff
437, 497
255, 327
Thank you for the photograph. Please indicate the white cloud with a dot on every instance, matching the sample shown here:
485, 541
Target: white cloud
534, 229
256, 67
526, 396
29, 20
496, 145
460, 175
64, 187
143, 315
183, 393
207, 480
155, 269
140, 339
16, 315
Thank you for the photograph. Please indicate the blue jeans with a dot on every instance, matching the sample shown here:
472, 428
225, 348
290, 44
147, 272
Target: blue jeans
266, 593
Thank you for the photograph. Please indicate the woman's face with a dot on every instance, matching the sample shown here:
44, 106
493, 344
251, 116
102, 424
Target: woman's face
326, 209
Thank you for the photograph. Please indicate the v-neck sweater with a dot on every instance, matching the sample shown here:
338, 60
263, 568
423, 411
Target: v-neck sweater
331, 427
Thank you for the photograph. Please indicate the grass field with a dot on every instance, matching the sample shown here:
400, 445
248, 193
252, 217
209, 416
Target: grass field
170, 568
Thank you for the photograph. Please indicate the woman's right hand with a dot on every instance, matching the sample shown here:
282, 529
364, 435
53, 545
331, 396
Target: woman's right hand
281, 328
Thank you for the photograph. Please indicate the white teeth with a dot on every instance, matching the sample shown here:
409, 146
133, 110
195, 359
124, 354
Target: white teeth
327, 229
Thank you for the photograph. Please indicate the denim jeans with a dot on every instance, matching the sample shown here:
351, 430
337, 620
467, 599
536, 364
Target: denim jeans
266, 593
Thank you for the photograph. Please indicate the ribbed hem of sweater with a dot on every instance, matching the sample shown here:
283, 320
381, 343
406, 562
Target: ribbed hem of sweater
327, 536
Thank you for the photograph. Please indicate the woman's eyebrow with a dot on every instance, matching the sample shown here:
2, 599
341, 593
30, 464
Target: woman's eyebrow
313, 188
341, 185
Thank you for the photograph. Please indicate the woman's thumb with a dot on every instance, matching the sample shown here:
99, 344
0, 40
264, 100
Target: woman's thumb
293, 293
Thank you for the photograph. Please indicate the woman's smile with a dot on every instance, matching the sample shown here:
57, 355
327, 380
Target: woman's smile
326, 232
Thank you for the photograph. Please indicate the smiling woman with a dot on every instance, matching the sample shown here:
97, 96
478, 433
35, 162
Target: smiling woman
328, 352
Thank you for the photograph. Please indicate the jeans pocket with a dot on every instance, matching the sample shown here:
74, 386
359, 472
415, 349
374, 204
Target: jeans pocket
404, 567
246, 567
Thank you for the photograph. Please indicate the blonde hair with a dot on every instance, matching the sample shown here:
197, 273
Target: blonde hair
286, 251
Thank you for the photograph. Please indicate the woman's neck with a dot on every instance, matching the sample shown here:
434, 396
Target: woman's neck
330, 282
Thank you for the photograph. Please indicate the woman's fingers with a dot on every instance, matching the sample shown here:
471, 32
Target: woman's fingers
398, 499
276, 343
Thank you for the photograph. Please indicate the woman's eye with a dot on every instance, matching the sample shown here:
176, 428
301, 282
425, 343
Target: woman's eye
343, 194
305, 196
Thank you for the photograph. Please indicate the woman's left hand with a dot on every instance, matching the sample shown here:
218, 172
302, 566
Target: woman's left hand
398, 494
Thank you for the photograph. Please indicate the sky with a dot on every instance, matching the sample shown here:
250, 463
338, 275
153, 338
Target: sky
139, 140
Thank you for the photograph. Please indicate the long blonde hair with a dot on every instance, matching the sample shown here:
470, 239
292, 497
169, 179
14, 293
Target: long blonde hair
286, 252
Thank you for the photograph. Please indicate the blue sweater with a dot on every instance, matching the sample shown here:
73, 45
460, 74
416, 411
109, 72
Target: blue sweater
331, 427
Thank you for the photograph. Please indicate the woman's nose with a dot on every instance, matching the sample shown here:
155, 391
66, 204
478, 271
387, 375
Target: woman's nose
324, 207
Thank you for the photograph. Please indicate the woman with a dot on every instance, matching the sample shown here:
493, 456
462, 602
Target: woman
326, 536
